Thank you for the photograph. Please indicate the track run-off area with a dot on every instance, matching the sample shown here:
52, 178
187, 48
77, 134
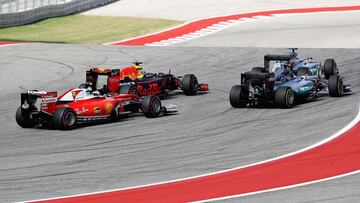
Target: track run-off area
207, 136
200, 28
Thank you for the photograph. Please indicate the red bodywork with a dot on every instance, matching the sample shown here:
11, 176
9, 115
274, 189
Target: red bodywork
98, 106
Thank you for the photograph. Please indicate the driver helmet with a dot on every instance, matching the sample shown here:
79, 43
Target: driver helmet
138, 67
291, 64
139, 70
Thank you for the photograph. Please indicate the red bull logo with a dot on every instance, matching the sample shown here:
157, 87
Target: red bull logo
153, 89
129, 72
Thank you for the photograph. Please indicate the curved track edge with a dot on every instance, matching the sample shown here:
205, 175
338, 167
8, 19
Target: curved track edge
333, 157
202, 27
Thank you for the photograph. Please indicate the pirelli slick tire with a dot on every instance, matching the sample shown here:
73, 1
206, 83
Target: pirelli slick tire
335, 86
238, 96
129, 89
330, 68
190, 84
151, 106
284, 97
22, 121
64, 119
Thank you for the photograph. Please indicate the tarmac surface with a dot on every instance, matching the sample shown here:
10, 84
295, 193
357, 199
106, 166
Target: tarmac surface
206, 135
310, 30
190, 10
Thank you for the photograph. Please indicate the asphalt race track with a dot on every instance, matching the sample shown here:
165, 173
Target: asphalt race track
207, 135
306, 30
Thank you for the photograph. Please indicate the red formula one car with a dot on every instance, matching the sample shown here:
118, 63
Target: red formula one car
133, 80
85, 105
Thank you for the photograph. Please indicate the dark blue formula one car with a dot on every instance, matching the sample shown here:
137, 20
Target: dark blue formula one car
289, 79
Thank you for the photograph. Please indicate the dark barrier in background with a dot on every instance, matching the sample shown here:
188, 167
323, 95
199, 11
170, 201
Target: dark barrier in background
29, 16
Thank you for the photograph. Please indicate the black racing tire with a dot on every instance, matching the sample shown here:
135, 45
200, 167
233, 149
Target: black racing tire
238, 97
190, 84
64, 119
114, 115
284, 97
22, 121
330, 68
335, 86
128, 89
303, 71
258, 70
151, 106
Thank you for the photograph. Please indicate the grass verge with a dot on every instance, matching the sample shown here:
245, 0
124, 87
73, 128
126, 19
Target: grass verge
82, 29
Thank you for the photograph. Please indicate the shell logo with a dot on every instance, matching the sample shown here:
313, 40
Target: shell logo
109, 107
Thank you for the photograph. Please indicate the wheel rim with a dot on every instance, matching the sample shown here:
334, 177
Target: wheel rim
194, 84
133, 91
340, 87
290, 97
156, 106
69, 119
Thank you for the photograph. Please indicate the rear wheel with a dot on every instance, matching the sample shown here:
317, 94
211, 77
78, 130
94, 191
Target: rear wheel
64, 118
335, 86
284, 97
238, 97
151, 106
129, 89
190, 84
330, 68
23, 121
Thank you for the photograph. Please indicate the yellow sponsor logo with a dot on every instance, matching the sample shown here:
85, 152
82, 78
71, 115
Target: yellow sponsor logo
109, 107
97, 110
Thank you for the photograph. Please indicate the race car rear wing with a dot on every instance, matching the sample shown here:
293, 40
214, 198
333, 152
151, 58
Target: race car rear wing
29, 98
271, 57
113, 79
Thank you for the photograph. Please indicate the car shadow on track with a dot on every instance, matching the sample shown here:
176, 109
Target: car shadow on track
122, 118
299, 102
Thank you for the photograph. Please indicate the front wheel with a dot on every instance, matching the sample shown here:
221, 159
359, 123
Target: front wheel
237, 97
64, 118
151, 106
284, 97
335, 86
22, 120
190, 84
330, 68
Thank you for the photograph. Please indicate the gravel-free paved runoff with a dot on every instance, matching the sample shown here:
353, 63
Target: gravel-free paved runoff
190, 10
207, 135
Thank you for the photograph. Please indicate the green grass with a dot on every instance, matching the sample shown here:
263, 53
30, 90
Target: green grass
83, 29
